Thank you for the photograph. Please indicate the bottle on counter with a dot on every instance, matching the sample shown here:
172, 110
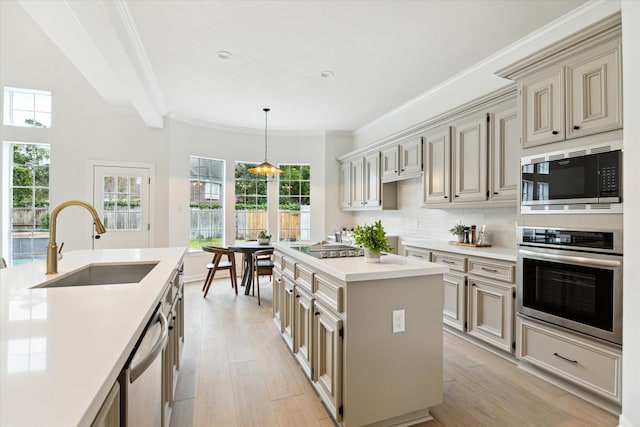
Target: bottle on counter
467, 235
473, 234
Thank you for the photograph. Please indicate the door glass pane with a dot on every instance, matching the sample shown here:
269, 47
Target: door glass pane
122, 207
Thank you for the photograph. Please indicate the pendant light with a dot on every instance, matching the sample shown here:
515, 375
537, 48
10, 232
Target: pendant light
265, 168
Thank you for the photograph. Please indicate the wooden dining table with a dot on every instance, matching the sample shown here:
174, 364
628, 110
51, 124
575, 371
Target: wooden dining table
247, 249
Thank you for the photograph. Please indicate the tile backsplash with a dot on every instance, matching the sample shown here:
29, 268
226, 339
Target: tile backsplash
411, 220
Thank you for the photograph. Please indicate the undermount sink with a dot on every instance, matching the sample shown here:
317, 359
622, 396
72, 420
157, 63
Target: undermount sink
102, 274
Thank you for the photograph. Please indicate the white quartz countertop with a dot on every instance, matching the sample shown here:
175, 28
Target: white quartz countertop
354, 269
63, 348
504, 254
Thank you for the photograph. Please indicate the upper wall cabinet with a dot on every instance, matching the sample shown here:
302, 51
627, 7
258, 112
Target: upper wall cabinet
571, 89
402, 160
360, 186
474, 160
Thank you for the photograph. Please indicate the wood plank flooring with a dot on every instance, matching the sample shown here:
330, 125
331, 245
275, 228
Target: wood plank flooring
237, 371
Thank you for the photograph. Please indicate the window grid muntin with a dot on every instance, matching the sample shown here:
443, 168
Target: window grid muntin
206, 202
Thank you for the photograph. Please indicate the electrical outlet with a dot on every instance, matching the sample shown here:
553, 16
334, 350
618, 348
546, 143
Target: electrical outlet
398, 321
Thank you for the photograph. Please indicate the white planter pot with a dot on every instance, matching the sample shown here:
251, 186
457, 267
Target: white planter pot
371, 256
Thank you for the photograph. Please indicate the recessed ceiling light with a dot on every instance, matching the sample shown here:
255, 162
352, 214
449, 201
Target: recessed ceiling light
326, 74
224, 55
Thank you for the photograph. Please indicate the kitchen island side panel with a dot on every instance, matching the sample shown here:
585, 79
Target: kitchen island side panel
391, 375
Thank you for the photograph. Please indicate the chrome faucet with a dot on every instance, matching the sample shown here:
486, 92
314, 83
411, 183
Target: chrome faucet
52, 248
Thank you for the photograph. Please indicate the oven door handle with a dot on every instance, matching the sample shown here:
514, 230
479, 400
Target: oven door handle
574, 259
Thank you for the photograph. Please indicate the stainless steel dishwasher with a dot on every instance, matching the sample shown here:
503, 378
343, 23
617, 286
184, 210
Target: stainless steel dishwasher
141, 379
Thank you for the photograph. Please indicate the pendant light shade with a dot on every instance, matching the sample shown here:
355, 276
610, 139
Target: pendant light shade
265, 168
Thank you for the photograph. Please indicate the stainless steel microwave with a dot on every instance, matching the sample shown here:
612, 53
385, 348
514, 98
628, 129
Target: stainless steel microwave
582, 176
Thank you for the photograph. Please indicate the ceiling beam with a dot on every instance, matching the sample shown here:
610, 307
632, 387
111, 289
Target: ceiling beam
100, 40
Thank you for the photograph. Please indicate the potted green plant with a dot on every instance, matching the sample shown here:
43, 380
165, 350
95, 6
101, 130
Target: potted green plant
372, 238
458, 231
263, 237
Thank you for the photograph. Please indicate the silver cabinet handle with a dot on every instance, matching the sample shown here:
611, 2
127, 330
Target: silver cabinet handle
142, 366
446, 261
490, 270
574, 259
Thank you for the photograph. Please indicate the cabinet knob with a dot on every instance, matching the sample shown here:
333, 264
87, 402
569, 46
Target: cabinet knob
446, 197
317, 313
171, 327
555, 132
457, 195
576, 127
402, 170
298, 296
290, 291
495, 192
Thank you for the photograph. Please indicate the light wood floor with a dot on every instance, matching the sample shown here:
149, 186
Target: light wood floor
237, 371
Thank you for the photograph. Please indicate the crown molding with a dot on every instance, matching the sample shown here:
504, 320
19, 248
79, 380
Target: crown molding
239, 129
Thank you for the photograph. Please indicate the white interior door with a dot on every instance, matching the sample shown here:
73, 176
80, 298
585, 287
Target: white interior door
121, 197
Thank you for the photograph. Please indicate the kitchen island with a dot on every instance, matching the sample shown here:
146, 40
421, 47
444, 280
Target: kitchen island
368, 335
62, 349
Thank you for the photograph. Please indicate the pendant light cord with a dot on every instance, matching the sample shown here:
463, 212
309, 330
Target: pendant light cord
266, 110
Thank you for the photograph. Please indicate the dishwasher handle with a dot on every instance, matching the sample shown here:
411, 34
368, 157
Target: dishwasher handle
140, 367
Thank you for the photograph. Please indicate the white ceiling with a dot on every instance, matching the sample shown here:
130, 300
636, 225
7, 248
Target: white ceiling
383, 53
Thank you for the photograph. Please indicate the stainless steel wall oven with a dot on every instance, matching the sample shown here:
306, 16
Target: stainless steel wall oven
572, 278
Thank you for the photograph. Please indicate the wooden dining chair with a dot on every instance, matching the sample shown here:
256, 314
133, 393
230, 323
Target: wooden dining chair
217, 264
262, 266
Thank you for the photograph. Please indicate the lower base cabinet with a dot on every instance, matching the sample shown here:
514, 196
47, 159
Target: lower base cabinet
491, 315
357, 378
454, 311
589, 364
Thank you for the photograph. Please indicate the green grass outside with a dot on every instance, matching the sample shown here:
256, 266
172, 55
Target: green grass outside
198, 243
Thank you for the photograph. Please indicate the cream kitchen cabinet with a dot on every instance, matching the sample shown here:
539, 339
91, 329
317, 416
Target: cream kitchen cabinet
454, 311
346, 346
474, 160
288, 313
589, 364
572, 89
402, 160
469, 154
504, 156
360, 183
479, 297
491, 301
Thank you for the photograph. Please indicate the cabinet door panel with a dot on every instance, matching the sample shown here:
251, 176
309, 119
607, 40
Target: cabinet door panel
303, 330
437, 177
470, 166
594, 95
491, 313
411, 156
278, 289
505, 153
543, 108
357, 184
454, 308
390, 162
345, 185
372, 180
287, 313
327, 365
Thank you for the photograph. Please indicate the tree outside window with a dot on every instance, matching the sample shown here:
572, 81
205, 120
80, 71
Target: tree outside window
251, 202
29, 214
294, 202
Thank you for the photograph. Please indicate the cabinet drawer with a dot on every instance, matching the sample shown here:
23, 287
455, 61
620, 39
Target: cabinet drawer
585, 363
329, 293
303, 277
288, 267
277, 260
420, 253
492, 269
455, 263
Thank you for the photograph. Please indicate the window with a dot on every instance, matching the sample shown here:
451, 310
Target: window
295, 202
206, 202
29, 213
27, 107
251, 202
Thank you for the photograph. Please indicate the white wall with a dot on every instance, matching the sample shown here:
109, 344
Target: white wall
83, 127
631, 317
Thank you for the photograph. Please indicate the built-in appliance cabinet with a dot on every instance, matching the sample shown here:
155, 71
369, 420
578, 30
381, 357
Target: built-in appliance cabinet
571, 89
473, 159
478, 297
589, 364
402, 160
